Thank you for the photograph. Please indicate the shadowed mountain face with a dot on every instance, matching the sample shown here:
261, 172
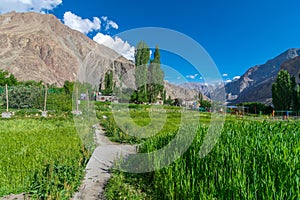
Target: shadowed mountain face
256, 83
293, 67
39, 47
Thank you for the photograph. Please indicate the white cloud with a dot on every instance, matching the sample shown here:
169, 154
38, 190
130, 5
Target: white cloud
192, 76
28, 5
117, 44
236, 78
83, 25
224, 75
228, 81
109, 23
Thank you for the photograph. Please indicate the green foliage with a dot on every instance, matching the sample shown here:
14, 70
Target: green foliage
252, 160
257, 107
206, 104
282, 91
149, 77
7, 78
155, 78
168, 101
44, 158
24, 97
108, 83
295, 95
69, 87
59, 102
142, 54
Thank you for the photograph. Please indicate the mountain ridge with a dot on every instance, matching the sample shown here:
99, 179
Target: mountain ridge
39, 47
255, 84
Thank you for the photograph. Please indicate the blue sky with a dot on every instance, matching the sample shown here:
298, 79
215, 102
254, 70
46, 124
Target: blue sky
237, 34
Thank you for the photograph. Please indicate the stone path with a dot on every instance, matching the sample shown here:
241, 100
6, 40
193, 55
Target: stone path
97, 169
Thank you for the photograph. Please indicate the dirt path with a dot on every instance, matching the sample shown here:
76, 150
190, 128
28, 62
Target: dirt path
102, 159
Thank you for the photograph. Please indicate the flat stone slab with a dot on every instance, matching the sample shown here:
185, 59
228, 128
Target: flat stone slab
6, 115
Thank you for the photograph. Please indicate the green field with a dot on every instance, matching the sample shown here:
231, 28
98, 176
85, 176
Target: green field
253, 159
42, 157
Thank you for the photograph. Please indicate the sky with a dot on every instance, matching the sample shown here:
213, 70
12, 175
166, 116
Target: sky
236, 34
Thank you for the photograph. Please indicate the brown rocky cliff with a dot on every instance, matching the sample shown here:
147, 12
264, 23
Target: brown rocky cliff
39, 47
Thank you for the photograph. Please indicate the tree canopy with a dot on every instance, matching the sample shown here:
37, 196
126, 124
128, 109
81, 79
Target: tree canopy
282, 91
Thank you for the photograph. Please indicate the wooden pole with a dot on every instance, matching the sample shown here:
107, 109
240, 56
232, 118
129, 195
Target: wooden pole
45, 100
6, 91
87, 98
76, 98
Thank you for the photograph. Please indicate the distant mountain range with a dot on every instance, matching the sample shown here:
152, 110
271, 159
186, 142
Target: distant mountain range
255, 85
39, 47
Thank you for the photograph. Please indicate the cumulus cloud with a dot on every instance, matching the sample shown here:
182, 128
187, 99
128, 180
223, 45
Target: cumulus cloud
28, 5
224, 75
83, 25
117, 44
192, 76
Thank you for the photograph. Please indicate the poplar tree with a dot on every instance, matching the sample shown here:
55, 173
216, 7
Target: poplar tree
156, 77
282, 91
142, 57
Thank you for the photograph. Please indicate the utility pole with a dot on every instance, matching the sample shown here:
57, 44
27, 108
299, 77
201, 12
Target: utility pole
44, 113
45, 99
6, 114
6, 92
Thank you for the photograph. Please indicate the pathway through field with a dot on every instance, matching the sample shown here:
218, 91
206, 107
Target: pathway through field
97, 173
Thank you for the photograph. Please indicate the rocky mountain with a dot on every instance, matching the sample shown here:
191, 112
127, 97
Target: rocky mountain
39, 47
293, 67
183, 91
205, 89
256, 83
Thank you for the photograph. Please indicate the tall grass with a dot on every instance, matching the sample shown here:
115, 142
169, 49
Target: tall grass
251, 160
42, 157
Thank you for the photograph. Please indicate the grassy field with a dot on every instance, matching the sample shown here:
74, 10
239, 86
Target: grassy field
253, 159
43, 157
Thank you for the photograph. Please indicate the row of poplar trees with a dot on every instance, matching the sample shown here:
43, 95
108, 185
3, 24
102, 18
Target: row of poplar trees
286, 92
149, 77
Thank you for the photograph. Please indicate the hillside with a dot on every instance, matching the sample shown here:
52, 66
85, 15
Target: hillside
293, 67
256, 83
39, 47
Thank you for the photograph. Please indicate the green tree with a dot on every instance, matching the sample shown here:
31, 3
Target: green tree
68, 87
25, 97
7, 78
108, 83
142, 57
282, 91
156, 77
295, 94
205, 104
